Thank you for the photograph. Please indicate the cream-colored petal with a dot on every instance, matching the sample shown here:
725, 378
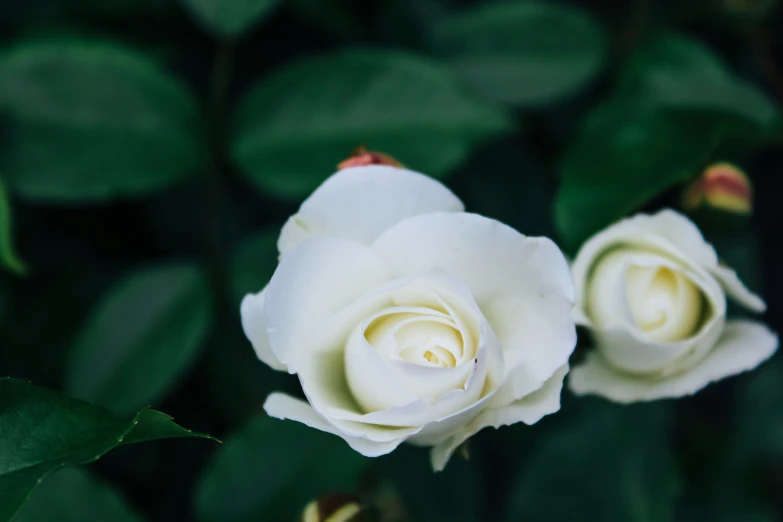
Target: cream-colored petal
492, 259
285, 407
254, 325
742, 346
529, 409
737, 290
360, 203
314, 281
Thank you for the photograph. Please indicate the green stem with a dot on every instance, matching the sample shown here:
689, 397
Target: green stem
216, 138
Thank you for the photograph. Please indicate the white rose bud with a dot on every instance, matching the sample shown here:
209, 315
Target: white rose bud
653, 294
407, 319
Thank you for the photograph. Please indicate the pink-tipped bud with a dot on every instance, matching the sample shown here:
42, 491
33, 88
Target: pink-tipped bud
361, 157
723, 187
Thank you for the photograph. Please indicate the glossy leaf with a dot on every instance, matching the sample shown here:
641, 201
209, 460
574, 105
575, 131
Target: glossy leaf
73, 495
229, 18
619, 162
42, 431
271, 469
141, 338
678, 73
91, 120
8, 256
523, 53
292, 130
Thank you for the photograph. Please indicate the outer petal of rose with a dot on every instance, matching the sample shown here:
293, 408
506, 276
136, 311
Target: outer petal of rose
282, 406
743, 346
686, 236
314, 281
538, 336
529, 409
737, 290
491, 258
360, 203
669, 232
254, 325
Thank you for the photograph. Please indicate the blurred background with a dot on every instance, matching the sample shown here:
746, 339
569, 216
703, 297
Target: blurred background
150, 150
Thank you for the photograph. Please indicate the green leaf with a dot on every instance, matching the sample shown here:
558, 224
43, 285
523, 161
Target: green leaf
229, 18
90, 121
608, 463
8, 256
72, 495
141, 338
678, 73
619, 162
152, 425
42, 430
294, 127
523, 53
253, 263
271, 469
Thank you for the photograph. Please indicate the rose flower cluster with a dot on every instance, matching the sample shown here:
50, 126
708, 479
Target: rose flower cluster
407, 319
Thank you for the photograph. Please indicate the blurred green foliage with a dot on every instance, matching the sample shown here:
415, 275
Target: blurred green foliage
150, 150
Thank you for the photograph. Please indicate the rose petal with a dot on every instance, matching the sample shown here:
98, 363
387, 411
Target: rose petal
538, 336
529, 409
491, 258
314, 281
254, 325
282, 406
668, 232
360, 203
742, 346
737, 290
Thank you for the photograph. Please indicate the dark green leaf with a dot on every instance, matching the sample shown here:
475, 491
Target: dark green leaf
253, 263
335, 16
8, 256
609, 463
295, 126
619, 162
153, 425
42, 430
271, 469
72, 495
524, 53
675, 72
142, 338
92, 121
229, 18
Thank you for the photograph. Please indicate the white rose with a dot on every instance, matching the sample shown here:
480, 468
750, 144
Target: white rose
653, 294
407, 319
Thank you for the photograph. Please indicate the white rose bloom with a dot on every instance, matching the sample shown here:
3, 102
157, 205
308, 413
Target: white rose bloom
407, 319
653, 294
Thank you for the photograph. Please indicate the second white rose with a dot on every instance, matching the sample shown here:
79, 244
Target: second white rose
653, 294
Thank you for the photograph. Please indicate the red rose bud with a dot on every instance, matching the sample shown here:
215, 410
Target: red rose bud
361, 157
722, 187
338, 507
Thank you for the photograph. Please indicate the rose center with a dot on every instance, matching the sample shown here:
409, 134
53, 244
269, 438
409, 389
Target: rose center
664, 303
426, 337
